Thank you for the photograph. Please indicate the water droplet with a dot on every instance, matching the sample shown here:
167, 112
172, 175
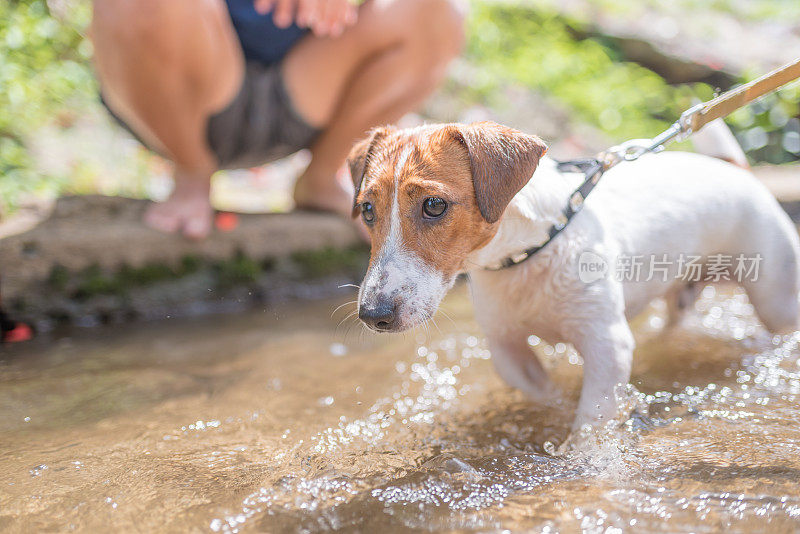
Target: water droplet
337, 349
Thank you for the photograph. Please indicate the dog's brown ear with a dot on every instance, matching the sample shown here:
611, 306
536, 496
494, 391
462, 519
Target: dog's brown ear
502, 161
359, 157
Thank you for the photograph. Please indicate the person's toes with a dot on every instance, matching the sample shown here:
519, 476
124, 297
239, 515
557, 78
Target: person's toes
197, 226
157, 218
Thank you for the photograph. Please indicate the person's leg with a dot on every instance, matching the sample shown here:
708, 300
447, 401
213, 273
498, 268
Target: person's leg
379, 69
164, 68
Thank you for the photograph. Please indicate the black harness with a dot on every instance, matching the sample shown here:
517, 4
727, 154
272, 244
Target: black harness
592, 170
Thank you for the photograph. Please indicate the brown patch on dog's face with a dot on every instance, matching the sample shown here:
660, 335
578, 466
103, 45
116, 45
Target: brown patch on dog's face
417, 252
440, 169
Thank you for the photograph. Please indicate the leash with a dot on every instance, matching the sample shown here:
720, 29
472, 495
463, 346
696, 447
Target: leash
689, 122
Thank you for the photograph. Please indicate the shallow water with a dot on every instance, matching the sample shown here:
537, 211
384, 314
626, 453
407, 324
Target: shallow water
284, 421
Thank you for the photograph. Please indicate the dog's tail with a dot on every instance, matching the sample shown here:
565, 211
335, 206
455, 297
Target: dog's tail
715, 139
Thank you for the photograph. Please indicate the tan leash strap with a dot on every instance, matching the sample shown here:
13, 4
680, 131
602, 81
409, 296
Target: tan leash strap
727, 103
698, 116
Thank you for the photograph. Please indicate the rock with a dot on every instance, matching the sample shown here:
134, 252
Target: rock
92, 257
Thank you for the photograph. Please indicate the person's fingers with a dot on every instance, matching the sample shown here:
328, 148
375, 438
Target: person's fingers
337, 17
263, 6
320, 25
351, 16
346, 15
307, 13
333, 22
283, 13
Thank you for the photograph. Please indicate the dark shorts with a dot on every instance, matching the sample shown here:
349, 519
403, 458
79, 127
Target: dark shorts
260, 124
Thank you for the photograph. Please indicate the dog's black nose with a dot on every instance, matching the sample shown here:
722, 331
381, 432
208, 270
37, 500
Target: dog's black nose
379, 317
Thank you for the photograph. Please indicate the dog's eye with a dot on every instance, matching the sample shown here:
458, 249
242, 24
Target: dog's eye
367, 213
433, 207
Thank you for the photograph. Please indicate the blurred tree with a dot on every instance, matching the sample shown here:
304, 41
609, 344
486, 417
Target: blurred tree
44, 74
531, 45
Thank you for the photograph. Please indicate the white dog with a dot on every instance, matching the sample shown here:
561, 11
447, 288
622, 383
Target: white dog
446, 199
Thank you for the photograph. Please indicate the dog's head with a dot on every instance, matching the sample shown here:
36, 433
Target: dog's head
429, 197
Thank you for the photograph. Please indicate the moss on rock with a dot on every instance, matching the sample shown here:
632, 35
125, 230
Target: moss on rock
329, 260
94, 295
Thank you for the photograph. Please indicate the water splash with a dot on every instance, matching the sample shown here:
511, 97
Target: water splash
455, 486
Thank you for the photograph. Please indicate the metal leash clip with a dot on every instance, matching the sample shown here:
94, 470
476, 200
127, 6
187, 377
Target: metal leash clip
633, 150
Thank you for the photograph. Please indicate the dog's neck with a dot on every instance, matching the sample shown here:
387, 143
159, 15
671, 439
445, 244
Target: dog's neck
528, 217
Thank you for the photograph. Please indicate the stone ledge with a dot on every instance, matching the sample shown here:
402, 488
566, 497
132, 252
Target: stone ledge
91, 260
106, 232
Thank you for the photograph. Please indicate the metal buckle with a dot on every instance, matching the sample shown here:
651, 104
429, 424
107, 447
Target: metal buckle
633, 150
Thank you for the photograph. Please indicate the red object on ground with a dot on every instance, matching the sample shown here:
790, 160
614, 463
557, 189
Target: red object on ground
21, 332
226, 221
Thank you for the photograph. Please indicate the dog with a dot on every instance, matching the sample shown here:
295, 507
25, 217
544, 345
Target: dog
441, 200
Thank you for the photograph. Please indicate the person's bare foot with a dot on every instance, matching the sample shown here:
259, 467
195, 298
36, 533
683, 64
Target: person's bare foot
187, 210
325, 195
335, 196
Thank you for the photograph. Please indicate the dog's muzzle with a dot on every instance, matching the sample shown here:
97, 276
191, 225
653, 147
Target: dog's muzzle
399, 292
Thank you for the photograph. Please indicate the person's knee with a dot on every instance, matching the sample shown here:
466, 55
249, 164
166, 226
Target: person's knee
438, 25
125, 19
435, 26
150, 22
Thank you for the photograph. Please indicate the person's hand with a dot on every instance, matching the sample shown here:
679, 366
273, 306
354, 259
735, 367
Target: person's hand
323, 17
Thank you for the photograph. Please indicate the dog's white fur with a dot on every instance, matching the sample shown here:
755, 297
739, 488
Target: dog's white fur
671, 203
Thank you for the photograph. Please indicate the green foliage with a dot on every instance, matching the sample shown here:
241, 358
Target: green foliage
147, 274
94, 281
752, 10
514, 43
531, 46
319, 263
239, 270
59, 278
44, 72
769, 129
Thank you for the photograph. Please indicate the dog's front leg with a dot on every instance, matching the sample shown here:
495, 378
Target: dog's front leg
607, 351
519, 366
